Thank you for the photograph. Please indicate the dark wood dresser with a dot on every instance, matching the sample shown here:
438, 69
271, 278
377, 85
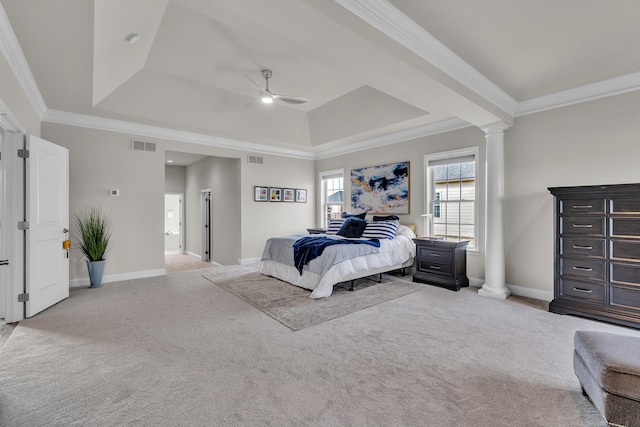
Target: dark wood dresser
441, 263
597, 252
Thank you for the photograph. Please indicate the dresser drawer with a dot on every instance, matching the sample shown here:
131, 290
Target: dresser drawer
582, 226
625, 273
585, 268
619, 205
428, 254
435, 267
628, 297
593, 292
582, 206
625, 227
583, 247
625, 249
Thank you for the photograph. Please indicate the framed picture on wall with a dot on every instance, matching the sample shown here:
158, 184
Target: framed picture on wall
288, 195
261, 194
275, 194
301, 196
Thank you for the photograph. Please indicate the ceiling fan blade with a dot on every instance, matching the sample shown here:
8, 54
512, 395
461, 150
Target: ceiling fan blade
252, 102
291, 99
254, 83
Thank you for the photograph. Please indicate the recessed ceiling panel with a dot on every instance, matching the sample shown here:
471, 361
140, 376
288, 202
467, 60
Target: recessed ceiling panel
359, 111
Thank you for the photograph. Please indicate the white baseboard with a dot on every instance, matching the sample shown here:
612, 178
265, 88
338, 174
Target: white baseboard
531, 293
518, 290
245, 261
84, 281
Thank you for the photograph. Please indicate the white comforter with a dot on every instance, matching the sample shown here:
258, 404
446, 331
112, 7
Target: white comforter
393, 254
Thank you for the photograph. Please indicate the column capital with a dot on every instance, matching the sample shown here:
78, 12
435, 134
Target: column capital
495, 128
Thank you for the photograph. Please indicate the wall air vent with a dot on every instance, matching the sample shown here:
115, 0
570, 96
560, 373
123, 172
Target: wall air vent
252, 158
143, 146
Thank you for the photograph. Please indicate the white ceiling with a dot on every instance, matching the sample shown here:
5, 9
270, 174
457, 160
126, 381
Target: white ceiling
369, 67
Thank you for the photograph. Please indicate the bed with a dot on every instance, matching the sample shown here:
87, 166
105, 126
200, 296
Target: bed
338, 263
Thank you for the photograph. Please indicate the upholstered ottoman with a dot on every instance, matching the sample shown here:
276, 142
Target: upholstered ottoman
608, 367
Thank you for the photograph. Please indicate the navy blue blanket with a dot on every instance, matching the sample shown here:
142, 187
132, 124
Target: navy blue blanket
308, 248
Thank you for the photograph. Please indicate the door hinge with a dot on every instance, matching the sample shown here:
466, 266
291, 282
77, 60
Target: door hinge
23, 297
23, 153
23, 225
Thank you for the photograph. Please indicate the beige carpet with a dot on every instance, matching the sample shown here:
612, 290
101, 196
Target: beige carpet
178, 350
183, 262
291, 305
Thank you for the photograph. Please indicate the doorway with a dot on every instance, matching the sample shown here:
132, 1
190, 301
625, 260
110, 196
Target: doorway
206, 225
173, 224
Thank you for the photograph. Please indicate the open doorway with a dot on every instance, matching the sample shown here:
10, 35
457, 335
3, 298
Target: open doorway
173, 229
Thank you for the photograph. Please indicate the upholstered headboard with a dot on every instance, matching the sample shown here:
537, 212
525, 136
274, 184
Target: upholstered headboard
413, 228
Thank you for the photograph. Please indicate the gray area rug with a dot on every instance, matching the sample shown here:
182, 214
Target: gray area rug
291, 305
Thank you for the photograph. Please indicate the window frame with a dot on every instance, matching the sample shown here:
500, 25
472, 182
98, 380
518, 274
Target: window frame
452, 156
324, 175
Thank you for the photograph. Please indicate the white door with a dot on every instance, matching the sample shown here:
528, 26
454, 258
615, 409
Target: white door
4, 256
47, 212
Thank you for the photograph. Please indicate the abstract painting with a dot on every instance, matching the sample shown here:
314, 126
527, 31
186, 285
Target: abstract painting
381, 189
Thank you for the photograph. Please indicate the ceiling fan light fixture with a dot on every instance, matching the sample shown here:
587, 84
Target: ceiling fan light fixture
266, 99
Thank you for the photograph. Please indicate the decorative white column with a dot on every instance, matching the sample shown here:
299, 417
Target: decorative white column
494, 265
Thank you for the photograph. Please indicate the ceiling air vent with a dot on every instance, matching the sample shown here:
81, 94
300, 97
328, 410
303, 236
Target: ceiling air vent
252, 158
143, 146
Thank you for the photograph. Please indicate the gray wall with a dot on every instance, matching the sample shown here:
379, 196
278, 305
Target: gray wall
175, 179
103, 160
98, 162
414, 151
592, 143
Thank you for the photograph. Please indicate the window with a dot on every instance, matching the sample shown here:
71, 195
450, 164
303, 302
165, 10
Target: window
451, 195
436, 205
331, 195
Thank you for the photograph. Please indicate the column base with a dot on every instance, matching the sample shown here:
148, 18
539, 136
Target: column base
486, 291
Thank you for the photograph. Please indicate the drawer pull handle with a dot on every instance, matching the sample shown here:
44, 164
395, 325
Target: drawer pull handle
582, 206
587, 291
575, 267
434, 267
583, 225
582, 247
434, 255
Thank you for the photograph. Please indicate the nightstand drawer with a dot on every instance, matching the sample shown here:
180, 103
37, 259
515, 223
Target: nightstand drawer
588, 291
434, 267
582, 226
582, 247
582, 206
428, 254
585, 268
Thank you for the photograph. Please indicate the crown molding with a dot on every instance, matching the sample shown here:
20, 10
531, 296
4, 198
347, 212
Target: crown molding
386, 18
15, 57
396, 137
113, 125
8, 120
601, 89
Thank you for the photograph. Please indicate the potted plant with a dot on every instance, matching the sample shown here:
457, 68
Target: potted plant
93, 228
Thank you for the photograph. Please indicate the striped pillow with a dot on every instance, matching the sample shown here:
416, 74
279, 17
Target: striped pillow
380, 230
334, 226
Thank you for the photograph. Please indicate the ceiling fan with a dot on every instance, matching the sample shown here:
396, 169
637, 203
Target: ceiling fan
267, 97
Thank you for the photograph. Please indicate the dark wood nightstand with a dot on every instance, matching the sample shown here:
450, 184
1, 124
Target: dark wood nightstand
441, 263
316, 230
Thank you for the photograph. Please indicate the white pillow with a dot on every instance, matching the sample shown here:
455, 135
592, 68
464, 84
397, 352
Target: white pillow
380, 230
